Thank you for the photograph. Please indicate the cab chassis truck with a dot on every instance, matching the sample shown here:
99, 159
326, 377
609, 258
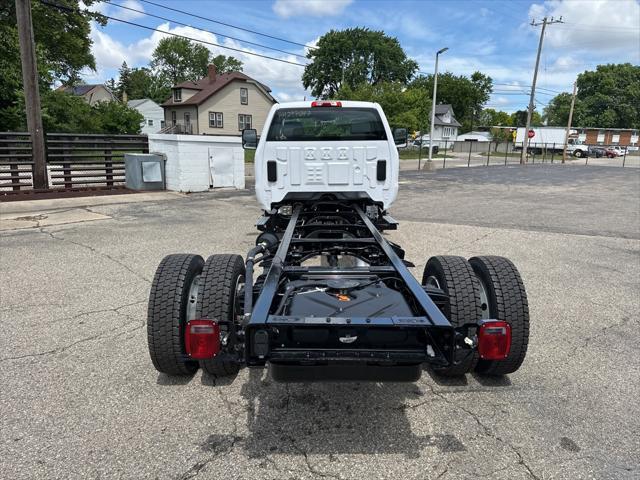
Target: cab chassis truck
335, 299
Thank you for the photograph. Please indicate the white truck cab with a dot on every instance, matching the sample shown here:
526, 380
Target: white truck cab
308, 149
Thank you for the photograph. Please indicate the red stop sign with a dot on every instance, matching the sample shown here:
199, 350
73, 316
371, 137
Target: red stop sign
531, 134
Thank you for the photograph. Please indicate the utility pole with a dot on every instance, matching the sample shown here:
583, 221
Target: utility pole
525, 141
31, 92
566, 135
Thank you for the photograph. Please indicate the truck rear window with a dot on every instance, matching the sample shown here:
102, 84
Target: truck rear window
317, 124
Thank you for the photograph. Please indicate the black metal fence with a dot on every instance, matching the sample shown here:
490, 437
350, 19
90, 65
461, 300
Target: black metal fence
476, 153
73, 160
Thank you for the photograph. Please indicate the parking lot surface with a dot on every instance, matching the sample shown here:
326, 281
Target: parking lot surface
79, 397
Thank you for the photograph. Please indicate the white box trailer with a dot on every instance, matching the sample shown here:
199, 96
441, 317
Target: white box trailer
550, 137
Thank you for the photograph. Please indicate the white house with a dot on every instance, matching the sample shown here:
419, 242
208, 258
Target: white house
152, 112
445, 126
474, 137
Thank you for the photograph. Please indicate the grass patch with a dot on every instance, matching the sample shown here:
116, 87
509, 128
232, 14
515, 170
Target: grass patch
414, 154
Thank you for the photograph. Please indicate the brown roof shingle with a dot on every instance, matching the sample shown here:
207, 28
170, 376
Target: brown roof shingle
208, 88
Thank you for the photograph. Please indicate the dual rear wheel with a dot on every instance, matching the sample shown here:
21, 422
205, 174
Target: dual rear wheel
185, 287
481, 288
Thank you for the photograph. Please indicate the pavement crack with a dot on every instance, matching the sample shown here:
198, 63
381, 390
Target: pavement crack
468, 244
104, 334
487, 431
96, 251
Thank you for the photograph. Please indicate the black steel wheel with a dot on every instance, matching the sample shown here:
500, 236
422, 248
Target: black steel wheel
503, 298
456, 278
578, 153
222, 280
171, 304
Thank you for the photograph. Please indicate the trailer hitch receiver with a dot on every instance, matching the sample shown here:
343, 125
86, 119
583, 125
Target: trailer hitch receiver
202, 339
494, 339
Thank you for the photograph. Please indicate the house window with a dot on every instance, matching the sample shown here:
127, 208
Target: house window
600, 138
447, 132
150, 122
215, 120
244, 121
615, 139
244, 96
173, 117
161, 123
177, 95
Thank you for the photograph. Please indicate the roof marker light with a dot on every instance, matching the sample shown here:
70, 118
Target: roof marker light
321, 103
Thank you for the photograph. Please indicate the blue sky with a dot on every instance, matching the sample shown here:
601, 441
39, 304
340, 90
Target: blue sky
492, 36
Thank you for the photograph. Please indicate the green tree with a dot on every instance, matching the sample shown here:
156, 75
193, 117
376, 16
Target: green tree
403, 107
61, 52
124, 82
65, 113
490, 117
609, 97
178, 59
466, 95
117, 118
353, 57
226, 64
519, 118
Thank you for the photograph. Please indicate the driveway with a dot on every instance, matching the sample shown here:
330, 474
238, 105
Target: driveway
79, 397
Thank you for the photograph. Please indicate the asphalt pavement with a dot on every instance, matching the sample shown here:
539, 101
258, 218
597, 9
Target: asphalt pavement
79, 397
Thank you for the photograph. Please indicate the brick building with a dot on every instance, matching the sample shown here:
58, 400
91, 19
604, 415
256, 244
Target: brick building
608, 136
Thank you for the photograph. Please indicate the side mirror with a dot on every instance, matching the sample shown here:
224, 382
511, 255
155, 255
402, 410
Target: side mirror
249, 138
400, 136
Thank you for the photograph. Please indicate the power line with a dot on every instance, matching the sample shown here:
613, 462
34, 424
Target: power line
61, 7
204, 30
229, 25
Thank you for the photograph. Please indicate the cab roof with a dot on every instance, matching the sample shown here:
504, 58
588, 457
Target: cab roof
344, 103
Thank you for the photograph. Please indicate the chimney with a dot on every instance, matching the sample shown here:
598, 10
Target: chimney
212, 73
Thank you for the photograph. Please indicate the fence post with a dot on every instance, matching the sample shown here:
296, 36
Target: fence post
469, 161
66, 166
553, 151
544, 152
624, 159
488, 152
444, 160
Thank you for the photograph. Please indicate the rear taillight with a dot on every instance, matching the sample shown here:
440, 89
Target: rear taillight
320, 103
494, 340
202, 339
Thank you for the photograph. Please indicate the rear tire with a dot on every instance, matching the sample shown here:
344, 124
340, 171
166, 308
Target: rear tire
167, 313
456, 278
577, 154
217, 301
507, 301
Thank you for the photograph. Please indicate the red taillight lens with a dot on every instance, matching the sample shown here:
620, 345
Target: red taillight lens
494, 340
202, 339
319, 103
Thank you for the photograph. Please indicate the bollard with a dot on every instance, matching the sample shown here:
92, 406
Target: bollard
469, 161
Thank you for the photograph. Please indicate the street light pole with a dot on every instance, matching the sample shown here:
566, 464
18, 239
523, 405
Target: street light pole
433, 109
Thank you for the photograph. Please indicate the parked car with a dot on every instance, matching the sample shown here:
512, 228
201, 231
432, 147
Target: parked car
597, 152
425, 145
613, 152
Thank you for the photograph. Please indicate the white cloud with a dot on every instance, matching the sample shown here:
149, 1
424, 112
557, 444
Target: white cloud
283, 78
313, 8
125, 14
593, 26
